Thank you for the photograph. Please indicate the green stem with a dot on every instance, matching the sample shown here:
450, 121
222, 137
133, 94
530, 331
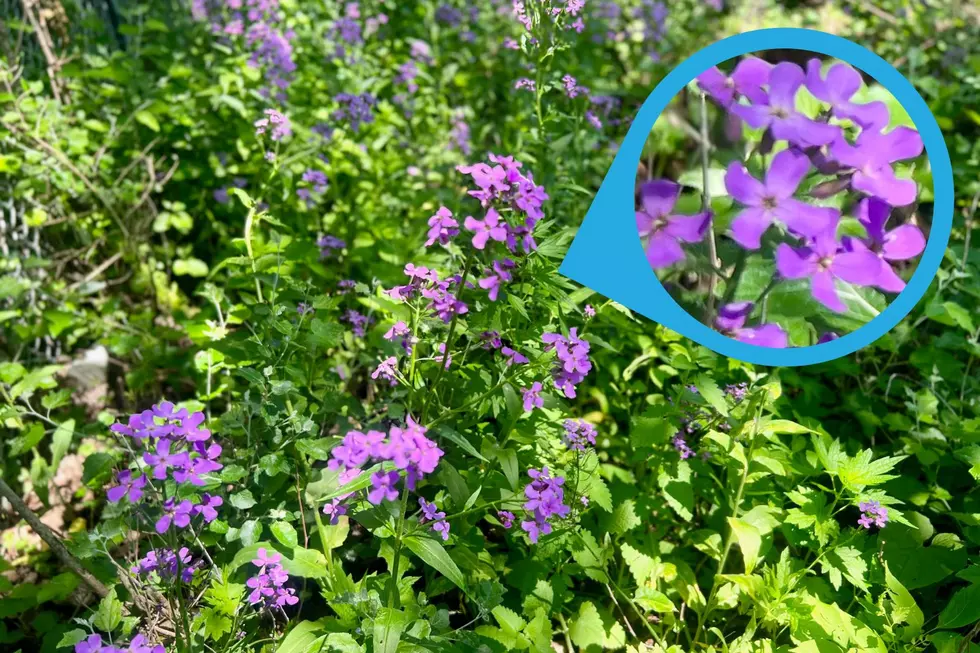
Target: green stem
393, 598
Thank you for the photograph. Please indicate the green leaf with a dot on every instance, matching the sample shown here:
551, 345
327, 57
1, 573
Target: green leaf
677, 491
109, 615
304, 637
749, 541
148, 119
388, 627
623, 518
963, 609
435, 555
458, 439
72, 637
586, 628
904, 608
711, 393
190, 267
242, 500
250, 532
846, 562
61, 441
95, 466
640, 564
695, 179
285, 533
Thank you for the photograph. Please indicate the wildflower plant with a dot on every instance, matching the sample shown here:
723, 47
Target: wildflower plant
811, 221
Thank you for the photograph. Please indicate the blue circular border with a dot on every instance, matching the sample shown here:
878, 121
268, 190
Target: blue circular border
607, 257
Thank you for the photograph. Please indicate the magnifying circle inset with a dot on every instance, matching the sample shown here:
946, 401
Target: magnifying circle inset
607, 256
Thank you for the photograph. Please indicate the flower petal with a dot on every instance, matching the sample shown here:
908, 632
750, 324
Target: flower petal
806, 219
883, 183
800, 130
785, 173
824, 291
872, 116
888, 280
714, 83
663, 251
785, 80
794, 263
742, 186
764, 335
755, 116
750, 75
689, 228
842, 83
903, 242
858, 267
658, 197
900, 143
873, 213
749, 225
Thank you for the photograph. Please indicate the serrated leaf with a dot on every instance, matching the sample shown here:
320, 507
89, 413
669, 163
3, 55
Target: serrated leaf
846, 562
586, 627
963, 609
711, 393
623, 518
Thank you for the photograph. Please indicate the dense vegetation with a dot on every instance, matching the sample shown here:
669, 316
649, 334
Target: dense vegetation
286, 364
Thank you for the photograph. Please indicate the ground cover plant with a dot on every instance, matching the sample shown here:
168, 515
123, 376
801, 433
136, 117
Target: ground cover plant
286, 364
802, 235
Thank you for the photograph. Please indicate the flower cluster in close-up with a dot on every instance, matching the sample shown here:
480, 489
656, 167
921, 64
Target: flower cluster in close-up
817, 196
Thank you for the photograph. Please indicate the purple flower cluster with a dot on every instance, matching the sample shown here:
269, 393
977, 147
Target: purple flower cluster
512, 201
269, 583
175, 447
259, 21
400, 330
276, 123
167, 564
872, 514
545, 500
408, 448
807, 245
680, 444
441, 293
93, 644
387, 370
579, 434
328, 245
442, 227
430, 513
572, 364
459, 135
358, 322
355, 110
316, 182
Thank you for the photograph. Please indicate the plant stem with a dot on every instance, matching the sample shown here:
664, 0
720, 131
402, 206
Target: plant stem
730, 540
706, 206
393, 599
52, 540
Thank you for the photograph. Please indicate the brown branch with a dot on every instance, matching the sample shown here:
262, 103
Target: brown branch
52, 540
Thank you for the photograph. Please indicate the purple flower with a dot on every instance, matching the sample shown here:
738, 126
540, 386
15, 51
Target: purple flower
526, 83
355, 109
335, 510
579, 434
317, 179
91, 644
441, 527
545, 499
871, 157
737, 391
268, 585
827, 337
572, 364
731, 321
778, 111
680, 444
513, 357
589, 311
665, 232
430, 513
302, 308
167, 564
208, 507
773, 200
442, 227
490, 340
903, 243
823, 261
383, 487
357, 321
500, 274
483, 230
748, 78
506, 518
329, 244
841, 84
128, 486
355, 450
177, 513
278, 123
532, 397
386, 370
872, 514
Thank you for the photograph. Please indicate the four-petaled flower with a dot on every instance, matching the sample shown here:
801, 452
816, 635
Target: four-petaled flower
773, 200
665, 232
731, 321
